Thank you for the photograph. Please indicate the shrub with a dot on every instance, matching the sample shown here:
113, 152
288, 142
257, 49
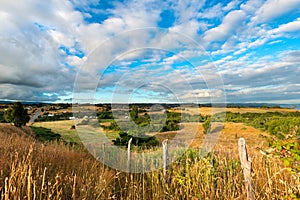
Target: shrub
145, 141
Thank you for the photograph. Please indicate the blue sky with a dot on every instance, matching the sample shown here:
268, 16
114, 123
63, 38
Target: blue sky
150, 51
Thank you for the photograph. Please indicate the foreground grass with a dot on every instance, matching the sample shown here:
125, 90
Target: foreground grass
33, 170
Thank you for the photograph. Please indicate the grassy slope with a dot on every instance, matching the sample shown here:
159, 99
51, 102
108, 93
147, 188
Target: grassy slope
31, 169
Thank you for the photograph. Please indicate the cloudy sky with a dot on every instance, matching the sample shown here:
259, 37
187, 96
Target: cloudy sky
150, 50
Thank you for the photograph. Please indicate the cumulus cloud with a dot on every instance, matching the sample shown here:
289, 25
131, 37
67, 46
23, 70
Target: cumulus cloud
228, 27
287, 28
30, 58
44, 44
273, 9
265, 80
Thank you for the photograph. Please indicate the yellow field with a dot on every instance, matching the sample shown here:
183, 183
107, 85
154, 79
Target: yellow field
226, 141
208, 110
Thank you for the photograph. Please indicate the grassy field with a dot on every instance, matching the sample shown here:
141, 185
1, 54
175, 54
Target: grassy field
227, 140
33, 170
64, 128
69, 134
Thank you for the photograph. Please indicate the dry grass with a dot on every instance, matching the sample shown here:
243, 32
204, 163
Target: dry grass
32, 170
227, 139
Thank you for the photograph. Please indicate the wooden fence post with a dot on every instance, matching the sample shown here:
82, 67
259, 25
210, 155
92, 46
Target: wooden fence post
246, 163
165, 156
129, 155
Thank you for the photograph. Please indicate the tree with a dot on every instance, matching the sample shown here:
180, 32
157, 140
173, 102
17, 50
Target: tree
16, 115
134, 113
206, 126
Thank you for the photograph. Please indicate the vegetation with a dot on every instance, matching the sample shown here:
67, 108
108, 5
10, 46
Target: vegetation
283, 128
105, 115
276, 123
145, 141
32, 170
112, 127
288, 150
206, 126
2, 120
45, 134
36, 164
56, 117
63, 128
171, 122
134, 113
16, 115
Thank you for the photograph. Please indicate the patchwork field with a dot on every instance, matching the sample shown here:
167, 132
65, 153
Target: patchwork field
65, 171
226, 140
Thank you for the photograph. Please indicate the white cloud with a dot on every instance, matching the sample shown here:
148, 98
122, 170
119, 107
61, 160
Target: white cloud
229, 26
213, 12
32, 31
273, 9
186, 10
263, 79
286, 28
231, 5
251, 6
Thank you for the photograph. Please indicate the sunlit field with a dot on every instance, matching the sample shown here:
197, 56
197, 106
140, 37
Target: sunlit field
54, 170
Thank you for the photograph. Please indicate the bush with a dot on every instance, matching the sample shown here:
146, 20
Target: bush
145, 141
105, 115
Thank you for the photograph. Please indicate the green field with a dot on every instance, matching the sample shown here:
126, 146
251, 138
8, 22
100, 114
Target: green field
69, 134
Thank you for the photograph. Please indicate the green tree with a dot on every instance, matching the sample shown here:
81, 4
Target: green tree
17, 115
146, 141
134, 113
206, 126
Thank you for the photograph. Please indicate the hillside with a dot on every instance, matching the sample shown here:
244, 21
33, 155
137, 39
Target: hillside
9, 130
34, 170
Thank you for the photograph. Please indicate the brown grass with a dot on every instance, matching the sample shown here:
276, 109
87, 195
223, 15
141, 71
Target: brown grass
32, 170
227, 139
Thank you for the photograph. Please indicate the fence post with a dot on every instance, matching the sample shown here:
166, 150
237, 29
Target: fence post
246, 163
165, 156
129, 155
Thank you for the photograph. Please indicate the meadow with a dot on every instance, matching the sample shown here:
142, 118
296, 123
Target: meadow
56, 169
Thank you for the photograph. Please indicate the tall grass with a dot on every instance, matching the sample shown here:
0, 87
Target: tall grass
33, 170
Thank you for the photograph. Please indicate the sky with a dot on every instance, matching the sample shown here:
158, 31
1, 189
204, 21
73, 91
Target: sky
198, 51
